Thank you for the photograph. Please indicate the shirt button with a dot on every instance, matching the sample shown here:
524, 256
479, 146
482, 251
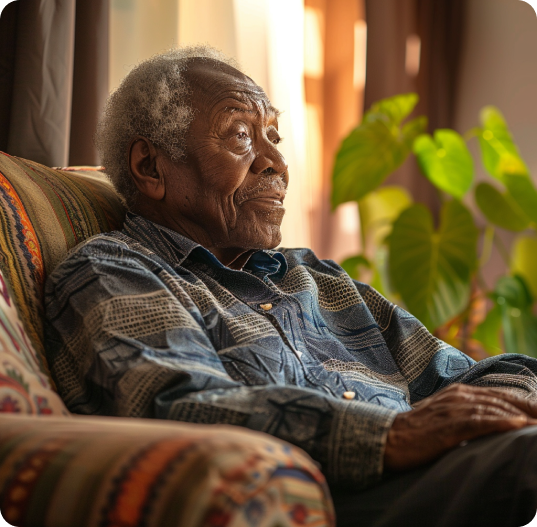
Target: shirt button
349, 395
265, 307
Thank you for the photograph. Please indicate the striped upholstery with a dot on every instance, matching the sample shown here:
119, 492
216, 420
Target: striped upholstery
43, 214
109, 472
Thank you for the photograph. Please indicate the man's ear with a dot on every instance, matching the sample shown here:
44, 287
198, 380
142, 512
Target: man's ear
143, 168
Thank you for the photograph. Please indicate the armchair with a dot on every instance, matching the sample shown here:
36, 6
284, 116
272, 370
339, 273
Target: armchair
59, 469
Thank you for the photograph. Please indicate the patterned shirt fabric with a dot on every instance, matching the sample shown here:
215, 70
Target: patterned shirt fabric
147, 323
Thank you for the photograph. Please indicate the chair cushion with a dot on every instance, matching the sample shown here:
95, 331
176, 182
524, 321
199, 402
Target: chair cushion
44, 213
23, 387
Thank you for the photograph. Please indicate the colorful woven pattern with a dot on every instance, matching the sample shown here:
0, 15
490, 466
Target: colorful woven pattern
43, 214
23, 388
104, 472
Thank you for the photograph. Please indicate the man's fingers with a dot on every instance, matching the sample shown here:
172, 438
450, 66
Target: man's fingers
458, 392
441, 423
501, 405
479, 425
526, 405
448, 412
446, 419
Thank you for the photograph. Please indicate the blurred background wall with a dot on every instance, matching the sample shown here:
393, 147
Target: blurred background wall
498, 66
321, 62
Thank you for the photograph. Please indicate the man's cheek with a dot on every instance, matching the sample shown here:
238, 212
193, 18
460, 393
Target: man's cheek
225, 210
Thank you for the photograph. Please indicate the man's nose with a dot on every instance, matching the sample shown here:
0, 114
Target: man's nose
269, 160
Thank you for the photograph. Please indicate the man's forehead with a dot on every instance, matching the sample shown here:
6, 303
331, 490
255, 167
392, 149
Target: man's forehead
216, 83
247, 102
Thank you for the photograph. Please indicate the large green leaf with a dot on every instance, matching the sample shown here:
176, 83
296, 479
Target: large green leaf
395, 109
413, 129
446, 161
374, 149
489, 331
500, 209
524, 260
522, 190
379, 209
496, 141
502, 160
432, 270
512, 291
519, 323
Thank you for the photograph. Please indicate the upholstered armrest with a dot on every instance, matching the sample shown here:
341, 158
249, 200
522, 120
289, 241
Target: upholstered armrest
85, 471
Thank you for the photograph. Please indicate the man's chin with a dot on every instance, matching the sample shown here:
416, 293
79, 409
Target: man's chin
268, 237
272, 240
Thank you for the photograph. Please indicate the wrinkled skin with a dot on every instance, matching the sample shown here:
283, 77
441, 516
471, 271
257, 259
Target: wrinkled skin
453, 415
227, 195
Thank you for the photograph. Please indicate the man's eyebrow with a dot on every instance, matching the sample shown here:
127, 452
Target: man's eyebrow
237, 109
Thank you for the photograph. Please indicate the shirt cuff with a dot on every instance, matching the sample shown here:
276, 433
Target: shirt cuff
357, 443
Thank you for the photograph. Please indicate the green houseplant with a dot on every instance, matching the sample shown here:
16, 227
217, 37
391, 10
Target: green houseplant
435, 271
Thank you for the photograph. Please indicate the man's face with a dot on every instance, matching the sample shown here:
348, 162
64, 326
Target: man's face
233, 181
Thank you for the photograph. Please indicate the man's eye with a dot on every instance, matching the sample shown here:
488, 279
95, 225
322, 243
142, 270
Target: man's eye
277, 140
239, 143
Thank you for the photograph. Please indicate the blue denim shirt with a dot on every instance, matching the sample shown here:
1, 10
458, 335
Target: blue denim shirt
145, 322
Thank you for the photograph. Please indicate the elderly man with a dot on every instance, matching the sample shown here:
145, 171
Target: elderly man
189, 314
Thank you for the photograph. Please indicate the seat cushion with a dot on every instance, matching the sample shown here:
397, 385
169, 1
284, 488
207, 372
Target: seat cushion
44, 213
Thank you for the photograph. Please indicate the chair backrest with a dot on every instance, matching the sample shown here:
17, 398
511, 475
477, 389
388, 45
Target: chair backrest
44, 213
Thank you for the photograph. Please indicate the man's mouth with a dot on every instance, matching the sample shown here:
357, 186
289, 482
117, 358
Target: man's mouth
267, 194
275, 200
270, 203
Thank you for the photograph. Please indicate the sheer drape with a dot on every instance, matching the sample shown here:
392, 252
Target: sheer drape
54, 72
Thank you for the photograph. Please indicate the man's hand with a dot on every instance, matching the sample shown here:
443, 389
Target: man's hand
458, 413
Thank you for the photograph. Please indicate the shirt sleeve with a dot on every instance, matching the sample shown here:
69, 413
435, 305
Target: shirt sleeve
119, 342
429, 364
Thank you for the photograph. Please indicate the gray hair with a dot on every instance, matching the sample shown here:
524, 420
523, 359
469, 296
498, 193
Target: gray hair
152, 101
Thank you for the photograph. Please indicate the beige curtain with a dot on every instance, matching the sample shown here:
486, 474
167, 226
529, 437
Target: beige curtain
49, 106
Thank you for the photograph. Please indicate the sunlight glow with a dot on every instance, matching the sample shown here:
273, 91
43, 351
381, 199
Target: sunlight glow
360, 54
313, 43
348, 214
413, 55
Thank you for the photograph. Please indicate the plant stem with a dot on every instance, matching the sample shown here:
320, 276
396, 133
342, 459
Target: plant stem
488, 242
473, 132
362, 230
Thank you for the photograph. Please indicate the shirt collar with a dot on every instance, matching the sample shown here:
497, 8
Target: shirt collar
176, 248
